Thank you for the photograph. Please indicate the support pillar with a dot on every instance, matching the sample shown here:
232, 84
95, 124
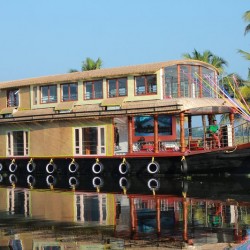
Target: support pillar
156, 140
130, 141
182, 133
231, 118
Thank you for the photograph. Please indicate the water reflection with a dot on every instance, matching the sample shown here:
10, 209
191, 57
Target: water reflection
87, 212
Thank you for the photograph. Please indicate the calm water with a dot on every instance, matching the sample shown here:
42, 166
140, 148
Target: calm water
94, 212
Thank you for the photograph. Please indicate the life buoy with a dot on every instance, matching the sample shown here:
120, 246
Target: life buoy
124, 167
153, 184
50, 180
12, 179
73, 181
97, 167
73, 167
13, 167
153, 167
124, 183
97, 182
31, 180
51, 167
31, 166
1, 167
184, 167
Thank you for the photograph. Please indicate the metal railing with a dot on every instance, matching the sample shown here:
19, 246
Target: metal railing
242, 133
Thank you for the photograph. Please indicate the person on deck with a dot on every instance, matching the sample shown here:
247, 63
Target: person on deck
215, 132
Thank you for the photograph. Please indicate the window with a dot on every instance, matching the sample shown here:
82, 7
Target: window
93, 90
13, 98
18, 143
144, 125
90, 141
48, 94
117, 87
35, 95
145, 85
69, 92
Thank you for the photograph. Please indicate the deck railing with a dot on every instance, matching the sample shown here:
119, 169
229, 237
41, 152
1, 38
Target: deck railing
242, 133
199, 138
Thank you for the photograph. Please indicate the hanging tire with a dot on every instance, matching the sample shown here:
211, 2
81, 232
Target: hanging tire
97, 168
124, 183
184, 167
153, 184
73, 181
97, 182
51, 168
73, 167
1, 167
31, 180
12, 179
124, 168
153, 167
31, 167
13, 167
50, 180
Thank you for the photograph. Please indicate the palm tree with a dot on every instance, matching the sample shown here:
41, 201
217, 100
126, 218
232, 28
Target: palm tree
208, 57
246, 55
89, 64
246, 18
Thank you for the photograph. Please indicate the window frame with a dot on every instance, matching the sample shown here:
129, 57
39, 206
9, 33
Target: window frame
93, 93
117, 87
69, 91
12, 94
11, 147
48, 93
145, 85
78, 140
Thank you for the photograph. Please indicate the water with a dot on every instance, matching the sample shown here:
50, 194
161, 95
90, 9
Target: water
120, 212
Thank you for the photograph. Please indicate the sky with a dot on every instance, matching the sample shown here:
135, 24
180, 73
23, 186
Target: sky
50, 37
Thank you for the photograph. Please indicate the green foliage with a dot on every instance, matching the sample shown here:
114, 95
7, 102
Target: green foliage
207, 56
90, 64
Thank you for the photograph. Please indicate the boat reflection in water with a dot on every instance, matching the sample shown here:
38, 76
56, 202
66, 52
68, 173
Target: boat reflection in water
94, 212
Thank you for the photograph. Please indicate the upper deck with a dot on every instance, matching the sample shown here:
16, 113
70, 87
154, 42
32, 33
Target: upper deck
148, 88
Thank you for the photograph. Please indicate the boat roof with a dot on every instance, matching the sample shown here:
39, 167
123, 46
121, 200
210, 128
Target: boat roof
101, 73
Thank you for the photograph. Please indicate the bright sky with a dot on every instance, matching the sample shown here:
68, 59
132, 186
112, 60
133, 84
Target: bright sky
49, 37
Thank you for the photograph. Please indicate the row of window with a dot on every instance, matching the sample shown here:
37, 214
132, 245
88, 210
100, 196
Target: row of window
94, 89
144, 85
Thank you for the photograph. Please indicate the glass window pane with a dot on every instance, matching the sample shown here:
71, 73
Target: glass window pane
18, 142
44, 92
164, 125
73, 91
144, 125
171, 82
65, 92
140, 85
53, 93
98, 89
122, 83
88, 90
112, 88
151, 84
185, 77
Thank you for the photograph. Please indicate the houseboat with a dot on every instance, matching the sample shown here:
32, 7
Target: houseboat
137, 119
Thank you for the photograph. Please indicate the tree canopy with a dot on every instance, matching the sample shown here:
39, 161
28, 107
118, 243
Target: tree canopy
207, 56
89, 64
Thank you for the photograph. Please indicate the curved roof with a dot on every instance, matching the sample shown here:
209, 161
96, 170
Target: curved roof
101, 73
